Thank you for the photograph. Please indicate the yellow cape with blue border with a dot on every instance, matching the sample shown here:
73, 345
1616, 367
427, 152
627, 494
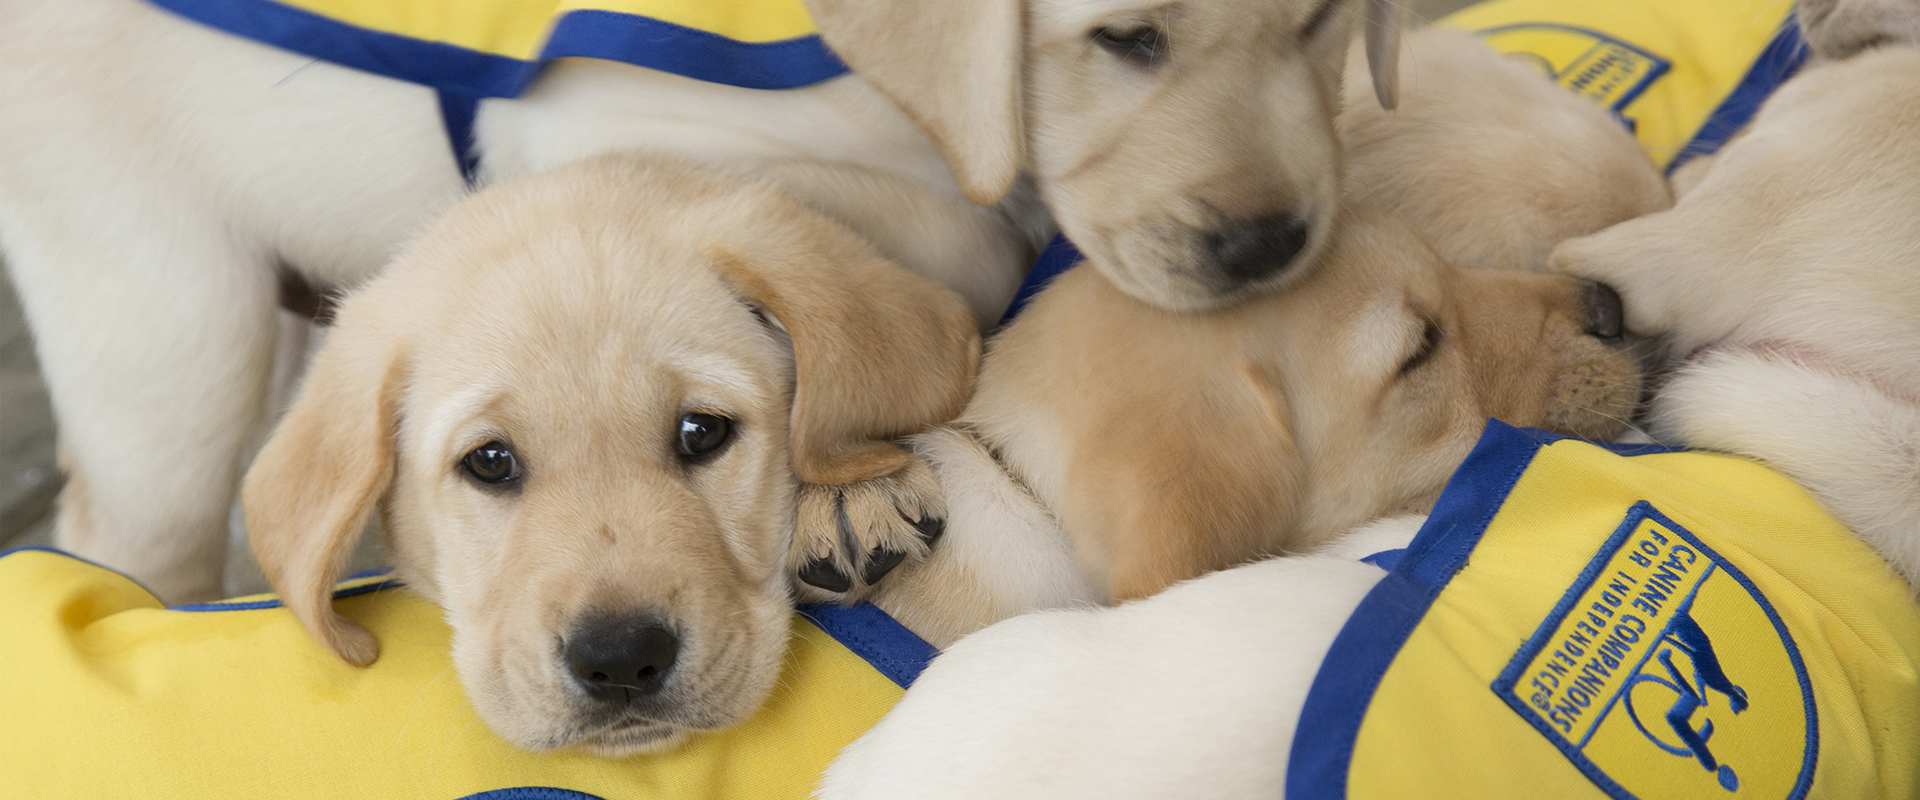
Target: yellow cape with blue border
1683, 75
1577, 623
495, 48
105, 693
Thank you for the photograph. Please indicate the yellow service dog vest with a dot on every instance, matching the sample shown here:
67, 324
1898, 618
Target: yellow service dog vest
467, 50
1683, 75
1576, 623
104, 693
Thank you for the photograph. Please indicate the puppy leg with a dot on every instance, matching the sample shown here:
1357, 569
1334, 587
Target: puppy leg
849, 536
155, 331
1852, 446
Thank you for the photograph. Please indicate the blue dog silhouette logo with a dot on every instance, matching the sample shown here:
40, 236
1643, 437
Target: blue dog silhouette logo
1686, 637
1663, 672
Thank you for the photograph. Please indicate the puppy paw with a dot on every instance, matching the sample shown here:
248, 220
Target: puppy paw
848, 536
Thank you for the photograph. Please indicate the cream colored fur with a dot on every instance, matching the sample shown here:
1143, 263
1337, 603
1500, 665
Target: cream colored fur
158, 174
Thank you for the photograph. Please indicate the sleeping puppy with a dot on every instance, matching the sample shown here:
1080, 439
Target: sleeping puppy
1113, 448
1785, 282
588, 401
1187, 148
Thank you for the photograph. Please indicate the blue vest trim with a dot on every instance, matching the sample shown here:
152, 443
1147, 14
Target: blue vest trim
532, 793
647, 42
1783, 57
1386, 559
1059, 256
637, 40
875, 637
457, 112
1337, 702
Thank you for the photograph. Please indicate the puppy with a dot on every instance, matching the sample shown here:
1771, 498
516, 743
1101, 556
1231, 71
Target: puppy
161, 179
1113, 448
1187, 149
1784, 282
587, 400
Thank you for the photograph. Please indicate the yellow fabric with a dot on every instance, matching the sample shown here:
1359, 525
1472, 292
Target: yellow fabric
517, 28
106, 694
1682, 57
1853, 621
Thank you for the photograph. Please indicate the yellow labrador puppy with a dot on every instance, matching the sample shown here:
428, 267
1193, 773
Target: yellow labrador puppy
1187, 148
588, 400
1164, 445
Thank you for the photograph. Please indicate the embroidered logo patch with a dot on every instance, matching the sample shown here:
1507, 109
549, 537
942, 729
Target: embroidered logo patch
1596, 66
1663, 672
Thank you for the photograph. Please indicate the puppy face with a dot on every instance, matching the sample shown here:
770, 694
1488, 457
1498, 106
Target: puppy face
1171, 445
585, 398
1188, 148
598, 505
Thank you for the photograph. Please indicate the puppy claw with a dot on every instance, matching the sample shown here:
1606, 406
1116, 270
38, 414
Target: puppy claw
866, 529
822, 573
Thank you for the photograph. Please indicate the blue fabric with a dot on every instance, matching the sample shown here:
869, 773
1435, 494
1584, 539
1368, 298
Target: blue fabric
1783, 57
631, 39
457, 112
1059, 256
667, 47
875, 637
532, 793
1386, 559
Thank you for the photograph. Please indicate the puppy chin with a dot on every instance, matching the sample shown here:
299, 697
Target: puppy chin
634, 739
1162, 266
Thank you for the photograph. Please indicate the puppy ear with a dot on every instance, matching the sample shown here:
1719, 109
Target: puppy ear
879, 353
954, 67
310, 490
1384, 20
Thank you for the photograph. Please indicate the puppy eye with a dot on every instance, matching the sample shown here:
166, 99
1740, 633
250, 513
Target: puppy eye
1429, 342
492, 463
1137, 46
703, 434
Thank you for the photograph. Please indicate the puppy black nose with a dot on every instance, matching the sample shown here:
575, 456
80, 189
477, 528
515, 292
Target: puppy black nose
1250, 250
621, 658
1603, 312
